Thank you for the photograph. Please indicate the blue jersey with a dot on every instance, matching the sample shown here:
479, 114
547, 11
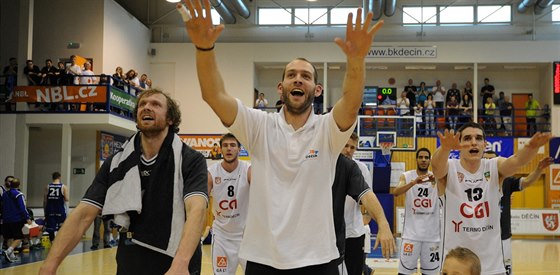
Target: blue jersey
55, 205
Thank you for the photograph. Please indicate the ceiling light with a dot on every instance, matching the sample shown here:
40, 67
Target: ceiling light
420, 67
173, 1
376, 68
519, 67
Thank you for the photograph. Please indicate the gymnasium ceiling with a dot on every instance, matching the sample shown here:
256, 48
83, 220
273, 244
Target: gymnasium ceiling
167, 27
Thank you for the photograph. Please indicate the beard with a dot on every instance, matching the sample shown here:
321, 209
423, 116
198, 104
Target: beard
231, 160
292, 107
422, 169
151, 130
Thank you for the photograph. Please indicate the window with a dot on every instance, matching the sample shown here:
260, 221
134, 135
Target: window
456, 14
556, 13
315, 16
419, 15
216, 18
274, 16
339, 16
494, 14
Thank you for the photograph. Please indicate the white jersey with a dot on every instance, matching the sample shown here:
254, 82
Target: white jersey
472, 213
230, 193
352, 212
421, 214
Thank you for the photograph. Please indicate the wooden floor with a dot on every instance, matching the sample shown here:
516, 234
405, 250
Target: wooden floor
530, 257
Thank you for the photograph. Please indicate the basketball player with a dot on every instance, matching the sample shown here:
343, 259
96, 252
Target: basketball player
461, 261
228, 183
510, 185
54, 203
472, 189
421, 230
289, 227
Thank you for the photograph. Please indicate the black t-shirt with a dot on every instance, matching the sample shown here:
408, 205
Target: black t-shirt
486, 88
509, 186
348, 180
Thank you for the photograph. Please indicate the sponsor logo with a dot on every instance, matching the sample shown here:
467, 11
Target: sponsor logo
312, 154
457, 225
218, 180
408, 248
487, 175
550, 221
460, 176
221, 261
479, 211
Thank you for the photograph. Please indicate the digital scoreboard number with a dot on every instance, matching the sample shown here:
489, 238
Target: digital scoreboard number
556, 82
384, 92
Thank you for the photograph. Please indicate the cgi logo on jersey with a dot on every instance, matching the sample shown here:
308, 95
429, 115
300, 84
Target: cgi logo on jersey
312, 154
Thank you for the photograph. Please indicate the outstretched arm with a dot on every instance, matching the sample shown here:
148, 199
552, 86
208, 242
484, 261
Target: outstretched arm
356, 46
535, 174
204, 35
384, 235
449, 140
69, 236
405, 186
509, 166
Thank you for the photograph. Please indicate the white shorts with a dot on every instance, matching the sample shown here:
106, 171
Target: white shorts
506, 251
224, 255
429, 254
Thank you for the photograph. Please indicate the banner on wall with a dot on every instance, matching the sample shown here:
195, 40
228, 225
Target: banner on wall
553, 189
122, 100
535, 221
109, 144
55, 94
209, 145
554, 149
503, 146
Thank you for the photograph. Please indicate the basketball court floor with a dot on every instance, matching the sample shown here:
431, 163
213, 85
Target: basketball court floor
530, 257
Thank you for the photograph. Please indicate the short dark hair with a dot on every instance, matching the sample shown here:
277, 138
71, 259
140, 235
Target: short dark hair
56, 175
8, 180
48, 59
354, 136
470, 124
173, 111
315, 75
424, 149
229, 136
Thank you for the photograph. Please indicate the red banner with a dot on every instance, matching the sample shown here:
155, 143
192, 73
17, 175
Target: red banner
51, 94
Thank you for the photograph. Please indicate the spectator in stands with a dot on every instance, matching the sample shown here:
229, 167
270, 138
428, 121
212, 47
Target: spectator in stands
142, 82
403, 104
261, 102
10, 72
48, 73
60, 74
119, 78
32, 72
429, 111
546, 116
505, 115
88, 77
466, 108
133, 81
453, 112
422, 94
500, 105
487, 90
532, 106
489, 121
453, 92
468, 90
318, 102
439, 96
73, 71
411, 94
14, 215
148, 84
418, 109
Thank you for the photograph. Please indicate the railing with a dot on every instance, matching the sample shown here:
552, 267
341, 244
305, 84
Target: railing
107, 95
439, 119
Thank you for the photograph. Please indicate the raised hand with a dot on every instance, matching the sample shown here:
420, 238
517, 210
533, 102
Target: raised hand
358, 37
449, 140
202, 32
539, 139
545, 162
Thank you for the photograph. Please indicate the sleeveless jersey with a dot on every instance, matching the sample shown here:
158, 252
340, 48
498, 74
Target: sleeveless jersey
472, 213
422, 211
55, 200
230, 194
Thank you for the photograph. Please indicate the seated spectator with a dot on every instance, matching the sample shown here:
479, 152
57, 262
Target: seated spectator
143, 79
88, 77
119, 78
48, 73
10, 72
73, 72
33, 73
61, 76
